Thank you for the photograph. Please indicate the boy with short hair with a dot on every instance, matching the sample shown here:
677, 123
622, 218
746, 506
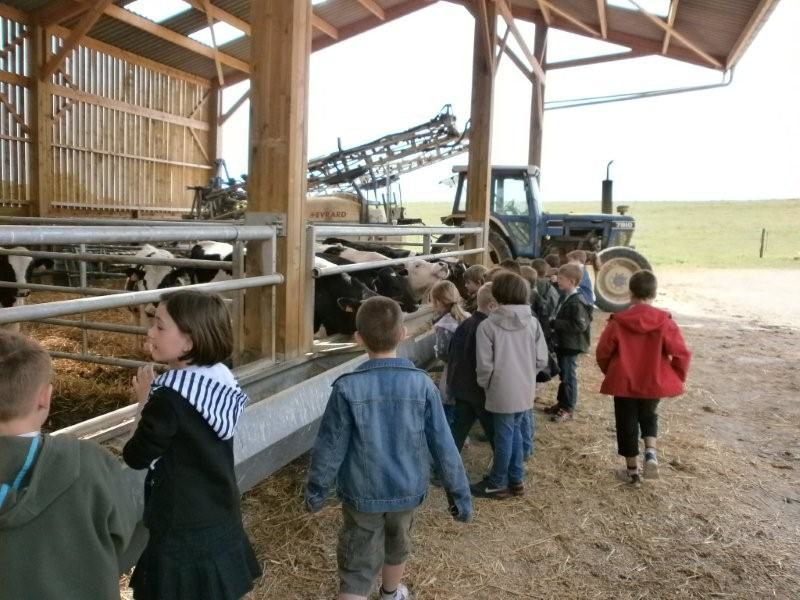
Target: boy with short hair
64, 503
510, 352
370, 444
462, 379
473, 280
644, 358
579, 257
571, 337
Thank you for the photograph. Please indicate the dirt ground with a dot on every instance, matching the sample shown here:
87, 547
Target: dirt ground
722, 522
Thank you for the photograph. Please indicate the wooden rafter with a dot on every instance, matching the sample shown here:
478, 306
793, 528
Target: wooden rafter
508, 17
677, 35
603, 18
87, 21
210, 20
54, 13
545, 10
395, 12
594, 60
568, 16
486, 34
319, 23
520, 64
373, 7
673, 11
502, 45
173, 37
759, 15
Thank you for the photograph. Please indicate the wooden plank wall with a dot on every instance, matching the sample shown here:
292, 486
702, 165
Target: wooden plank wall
127, 135
15, 135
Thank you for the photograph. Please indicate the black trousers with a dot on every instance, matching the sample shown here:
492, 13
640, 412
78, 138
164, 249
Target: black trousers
466, 415
633, 415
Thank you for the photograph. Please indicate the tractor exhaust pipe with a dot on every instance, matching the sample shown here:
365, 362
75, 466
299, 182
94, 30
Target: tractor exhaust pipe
607, 202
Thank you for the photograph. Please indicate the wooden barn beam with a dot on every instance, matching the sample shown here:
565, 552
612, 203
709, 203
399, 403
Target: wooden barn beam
54, 13
90, 17
756, 20
677, 35
41, 125
217, 63
280, 50
634, 42
568, 16
594, 60
536, 135
392, 13
373, 7
221, 15
234, 107
603, 17
319, 23
673, 11
505, 12
479, 169
543, 8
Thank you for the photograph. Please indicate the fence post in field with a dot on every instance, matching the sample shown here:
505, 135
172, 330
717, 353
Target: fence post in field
763, 243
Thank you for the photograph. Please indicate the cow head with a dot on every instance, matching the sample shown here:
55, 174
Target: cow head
393, 283
423, 275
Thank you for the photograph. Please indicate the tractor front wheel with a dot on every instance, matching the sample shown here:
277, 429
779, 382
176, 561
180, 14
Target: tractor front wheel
499, 249
617, 264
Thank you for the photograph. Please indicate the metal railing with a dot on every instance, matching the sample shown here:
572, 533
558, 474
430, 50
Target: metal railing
109, 299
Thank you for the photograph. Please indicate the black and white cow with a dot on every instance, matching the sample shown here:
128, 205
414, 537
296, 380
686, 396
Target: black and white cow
387, 251
18, 269
336, 300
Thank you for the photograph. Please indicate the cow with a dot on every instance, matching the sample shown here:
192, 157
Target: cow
423, 275
351, 254
390, 281
336, 301
387, 251
18, 269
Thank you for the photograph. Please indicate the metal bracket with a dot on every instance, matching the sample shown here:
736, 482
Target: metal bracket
276, 220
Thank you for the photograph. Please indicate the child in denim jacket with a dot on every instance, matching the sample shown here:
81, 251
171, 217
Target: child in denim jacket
382, 424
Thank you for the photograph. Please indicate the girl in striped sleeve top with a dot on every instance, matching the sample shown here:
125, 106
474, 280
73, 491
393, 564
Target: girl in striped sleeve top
197, 548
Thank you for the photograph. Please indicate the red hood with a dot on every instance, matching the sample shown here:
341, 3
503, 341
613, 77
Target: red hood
642, 318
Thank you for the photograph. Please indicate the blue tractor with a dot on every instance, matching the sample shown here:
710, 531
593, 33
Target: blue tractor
519, 228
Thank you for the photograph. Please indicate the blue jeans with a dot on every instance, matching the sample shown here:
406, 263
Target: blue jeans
450, 414
508, 463
528, 430
568, 388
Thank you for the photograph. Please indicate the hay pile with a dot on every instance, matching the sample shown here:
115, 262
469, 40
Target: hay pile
707, 529
84, 390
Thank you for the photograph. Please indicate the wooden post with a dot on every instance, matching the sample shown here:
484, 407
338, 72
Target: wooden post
41, 126
280, 50
479, 170
537, 99
763, 243
214, 131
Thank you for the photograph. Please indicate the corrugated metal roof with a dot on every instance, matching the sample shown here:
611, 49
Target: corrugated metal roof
716, 27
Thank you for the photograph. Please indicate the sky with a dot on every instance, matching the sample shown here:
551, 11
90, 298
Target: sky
740, 142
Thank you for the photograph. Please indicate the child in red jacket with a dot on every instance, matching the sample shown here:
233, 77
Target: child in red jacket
644, 358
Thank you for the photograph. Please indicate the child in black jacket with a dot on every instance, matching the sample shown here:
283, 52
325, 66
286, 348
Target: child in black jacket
571, 337
462, 380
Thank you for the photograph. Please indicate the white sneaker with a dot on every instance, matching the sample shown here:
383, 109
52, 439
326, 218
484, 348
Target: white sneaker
401, 593
651, 469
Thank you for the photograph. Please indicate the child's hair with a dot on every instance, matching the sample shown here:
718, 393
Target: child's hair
26, 367
510, 288
529, 274
484, 296
572, 272
554, 260
379, 322
204, 318
579, 256
643, 285
492, 273
541, 266
476, 274
446, 294
510, 264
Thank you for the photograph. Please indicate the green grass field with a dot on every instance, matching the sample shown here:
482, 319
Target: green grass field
694, 234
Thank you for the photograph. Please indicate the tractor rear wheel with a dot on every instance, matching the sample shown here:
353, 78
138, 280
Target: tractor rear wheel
617, 264
498, 248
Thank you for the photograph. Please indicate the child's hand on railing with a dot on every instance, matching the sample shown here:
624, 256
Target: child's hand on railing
141, 383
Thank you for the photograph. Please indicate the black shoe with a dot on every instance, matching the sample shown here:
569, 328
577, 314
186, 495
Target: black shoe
517, 489
551, 410
485, 489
